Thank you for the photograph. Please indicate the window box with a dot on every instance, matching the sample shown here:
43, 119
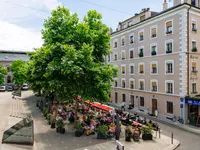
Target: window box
194, 49
141, 71
194, 29
168, 32
168, 51
141, 54
153, 53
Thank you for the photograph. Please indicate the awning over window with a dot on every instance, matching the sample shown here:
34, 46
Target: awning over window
193, 64
141, 67
169, 24
153, 31
154, 84
153, 65
141, 33
141, 82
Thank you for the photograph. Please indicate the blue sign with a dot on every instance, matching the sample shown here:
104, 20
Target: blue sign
193, 102
182, 99
181, 105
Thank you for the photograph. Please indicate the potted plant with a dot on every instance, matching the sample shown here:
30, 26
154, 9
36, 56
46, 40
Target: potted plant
79, 129
45, 112
53, 121
147, 132
49, 118
60, 126
128, 133
102, 132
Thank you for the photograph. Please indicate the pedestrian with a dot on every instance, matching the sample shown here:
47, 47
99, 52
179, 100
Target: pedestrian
123, 106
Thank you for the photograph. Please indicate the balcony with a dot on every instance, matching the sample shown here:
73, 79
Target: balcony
141, 54
153, 53
194, 49
194, 29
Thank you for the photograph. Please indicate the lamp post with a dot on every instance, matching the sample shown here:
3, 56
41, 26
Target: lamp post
156, 114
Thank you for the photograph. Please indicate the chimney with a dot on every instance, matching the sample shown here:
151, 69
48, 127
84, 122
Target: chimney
165, 5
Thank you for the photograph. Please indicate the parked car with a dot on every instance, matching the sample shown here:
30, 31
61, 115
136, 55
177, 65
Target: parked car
15, 87
9, 88
25, 87
2, 88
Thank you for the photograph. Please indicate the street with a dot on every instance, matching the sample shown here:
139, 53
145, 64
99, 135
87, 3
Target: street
47, 139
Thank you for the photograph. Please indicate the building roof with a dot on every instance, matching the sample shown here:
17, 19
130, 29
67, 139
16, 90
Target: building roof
15, 51
155, 14
12, 56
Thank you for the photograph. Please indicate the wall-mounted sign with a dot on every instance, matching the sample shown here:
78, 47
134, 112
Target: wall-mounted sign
182, 99
181, 105
192, 102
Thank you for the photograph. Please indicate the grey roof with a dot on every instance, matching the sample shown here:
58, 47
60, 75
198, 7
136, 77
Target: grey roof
13, 57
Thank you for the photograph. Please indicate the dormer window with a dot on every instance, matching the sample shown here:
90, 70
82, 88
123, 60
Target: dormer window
142, 18
123, 26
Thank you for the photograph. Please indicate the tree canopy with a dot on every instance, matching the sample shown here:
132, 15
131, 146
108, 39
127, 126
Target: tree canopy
19, 71
71, 60
3, 73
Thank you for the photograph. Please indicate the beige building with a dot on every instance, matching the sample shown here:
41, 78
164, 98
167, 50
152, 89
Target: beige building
158, 58
6, 59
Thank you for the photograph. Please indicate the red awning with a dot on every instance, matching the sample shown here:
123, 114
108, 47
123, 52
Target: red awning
102, 107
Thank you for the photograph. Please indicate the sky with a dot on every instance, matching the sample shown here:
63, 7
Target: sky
21, 21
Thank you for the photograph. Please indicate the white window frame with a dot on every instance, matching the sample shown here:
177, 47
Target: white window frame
123, 79
131, 79
192, 87
154, 26
194, 20
115, 40
195, 42
154, 44
154, 62
131, 49
115, 53
123, 37
123, 65
142, 30
166, 108
131, 34
196, 64
139, 84
130, 69
166, 27
169, 81
141, 63
153, 80
169, 41
141, 47
123, 51
169, 61
116, 79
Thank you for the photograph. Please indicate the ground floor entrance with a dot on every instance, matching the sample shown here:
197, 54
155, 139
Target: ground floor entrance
154, 106
131, 102
193, 114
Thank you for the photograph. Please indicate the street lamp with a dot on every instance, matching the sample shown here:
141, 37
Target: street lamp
156, 114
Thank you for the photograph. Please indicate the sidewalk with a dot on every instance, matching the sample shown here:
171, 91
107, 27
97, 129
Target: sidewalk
188, 128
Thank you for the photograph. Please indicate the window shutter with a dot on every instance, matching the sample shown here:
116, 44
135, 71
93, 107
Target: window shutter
169, 24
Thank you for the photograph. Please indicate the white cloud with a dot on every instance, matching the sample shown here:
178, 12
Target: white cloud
13, 37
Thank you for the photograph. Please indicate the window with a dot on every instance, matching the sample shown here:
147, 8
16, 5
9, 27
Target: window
141, 52
194, 88
123, 98
169, 87
123, 42
194, 46
130, 23
141, 101
131, 39
169, 67
154, 68
123, 55
115, 56
131, 69
131, 84
141, 67
154, 86
194, 26
116, 83
9, 79
131, 53
193, 2
8, 69
116, 97
123, 69
153, 49
169, 27
141, 85
194, 68
141, 36
153, 32
123, 83
142, 18
109, 58
169, 107
123, 26
169, 47
115, 44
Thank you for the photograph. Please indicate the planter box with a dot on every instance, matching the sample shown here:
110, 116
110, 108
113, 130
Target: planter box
78, 133
60, 130
53, 125
147, 137
100, 136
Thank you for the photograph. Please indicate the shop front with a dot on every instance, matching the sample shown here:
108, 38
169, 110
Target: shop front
193, 111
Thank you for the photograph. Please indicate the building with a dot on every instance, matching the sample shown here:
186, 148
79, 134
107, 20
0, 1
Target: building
158, 55
6, 59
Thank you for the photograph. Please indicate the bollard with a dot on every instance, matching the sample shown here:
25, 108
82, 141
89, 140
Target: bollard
172, 136
159, 132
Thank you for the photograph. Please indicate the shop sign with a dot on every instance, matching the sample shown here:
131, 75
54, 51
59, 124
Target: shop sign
181, 105
193, 102
182, 99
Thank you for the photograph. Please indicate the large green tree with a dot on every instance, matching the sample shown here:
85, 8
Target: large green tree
3, 73
19, 71
71, 60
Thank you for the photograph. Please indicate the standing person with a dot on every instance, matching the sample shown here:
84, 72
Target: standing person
123, 106
118, 128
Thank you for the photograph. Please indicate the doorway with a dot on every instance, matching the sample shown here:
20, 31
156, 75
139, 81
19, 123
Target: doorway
131, 103
192, 114
8, 79
116, 97
154, 105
